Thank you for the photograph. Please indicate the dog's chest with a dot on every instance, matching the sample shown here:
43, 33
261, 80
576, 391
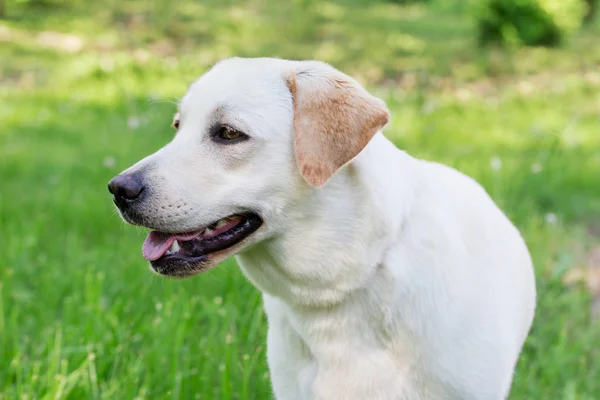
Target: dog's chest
334, 357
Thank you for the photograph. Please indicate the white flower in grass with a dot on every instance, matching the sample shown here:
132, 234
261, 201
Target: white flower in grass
153, 97
559, 86
54, 180
109, 162
107, 64
551, 218
64, 108
463, 95
43, 115
496, 163
429, 107
492, 102
133, 122
536, 168
525, 87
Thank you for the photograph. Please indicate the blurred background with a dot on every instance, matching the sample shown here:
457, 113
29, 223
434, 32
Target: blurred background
507, 91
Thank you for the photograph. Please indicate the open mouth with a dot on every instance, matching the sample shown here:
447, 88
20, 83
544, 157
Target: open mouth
174, 254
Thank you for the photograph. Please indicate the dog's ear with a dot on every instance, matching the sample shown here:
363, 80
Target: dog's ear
334, 119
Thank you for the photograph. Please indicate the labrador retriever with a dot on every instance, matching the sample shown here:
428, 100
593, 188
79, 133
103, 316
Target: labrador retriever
383, 276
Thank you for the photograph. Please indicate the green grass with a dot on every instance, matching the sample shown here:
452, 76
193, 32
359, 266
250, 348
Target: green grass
81, 316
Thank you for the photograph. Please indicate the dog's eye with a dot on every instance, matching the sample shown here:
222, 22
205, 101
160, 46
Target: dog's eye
175, 123
226, 134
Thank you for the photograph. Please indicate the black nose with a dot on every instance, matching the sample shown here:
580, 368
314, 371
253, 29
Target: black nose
126, 189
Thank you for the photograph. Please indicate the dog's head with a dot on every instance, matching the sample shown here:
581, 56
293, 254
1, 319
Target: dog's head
253, 136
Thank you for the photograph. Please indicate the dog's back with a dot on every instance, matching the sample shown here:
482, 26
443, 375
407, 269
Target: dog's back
468, 289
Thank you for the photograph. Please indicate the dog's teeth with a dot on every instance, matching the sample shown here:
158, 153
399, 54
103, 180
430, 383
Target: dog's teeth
175, 246
207, 232
221, 224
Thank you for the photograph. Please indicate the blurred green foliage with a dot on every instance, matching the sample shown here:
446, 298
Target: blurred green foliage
529, 22
408, 1
40, 4
592, 7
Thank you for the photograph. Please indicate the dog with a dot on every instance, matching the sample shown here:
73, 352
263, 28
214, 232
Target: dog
383, 276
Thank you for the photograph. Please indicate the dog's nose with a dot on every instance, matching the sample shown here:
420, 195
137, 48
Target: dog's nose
126, 188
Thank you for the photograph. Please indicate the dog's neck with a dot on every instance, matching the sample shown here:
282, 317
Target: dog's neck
336, 237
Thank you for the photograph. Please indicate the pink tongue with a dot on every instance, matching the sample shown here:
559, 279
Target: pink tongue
157, 243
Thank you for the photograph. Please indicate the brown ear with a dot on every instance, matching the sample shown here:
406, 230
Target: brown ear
334, 119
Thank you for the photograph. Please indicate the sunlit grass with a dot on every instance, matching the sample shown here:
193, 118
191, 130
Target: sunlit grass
81, 316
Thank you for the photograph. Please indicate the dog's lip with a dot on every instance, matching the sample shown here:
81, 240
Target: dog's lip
158, 243
194, 254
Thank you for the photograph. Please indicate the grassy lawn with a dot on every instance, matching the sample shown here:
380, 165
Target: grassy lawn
86, 91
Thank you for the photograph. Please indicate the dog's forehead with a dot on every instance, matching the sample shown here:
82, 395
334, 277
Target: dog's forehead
237, 83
